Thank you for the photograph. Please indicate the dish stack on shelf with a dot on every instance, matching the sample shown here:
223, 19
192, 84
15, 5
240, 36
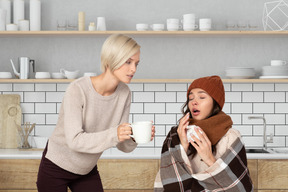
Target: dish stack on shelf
240, 72
277, 70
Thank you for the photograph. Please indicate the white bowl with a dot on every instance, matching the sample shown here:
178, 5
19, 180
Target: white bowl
275, 70
142, 27
5, 75
58, 75
240, 72
42, 75
70, 74
40, 141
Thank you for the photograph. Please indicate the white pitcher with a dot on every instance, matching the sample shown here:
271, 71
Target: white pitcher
24, 65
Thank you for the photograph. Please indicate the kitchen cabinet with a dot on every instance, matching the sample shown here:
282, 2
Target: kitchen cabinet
117, 174
268, 175
273, 174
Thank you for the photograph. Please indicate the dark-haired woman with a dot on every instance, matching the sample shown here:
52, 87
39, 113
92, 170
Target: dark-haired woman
213, 159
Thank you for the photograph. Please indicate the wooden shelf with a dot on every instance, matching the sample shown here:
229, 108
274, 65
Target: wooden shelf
140, 33
146, 80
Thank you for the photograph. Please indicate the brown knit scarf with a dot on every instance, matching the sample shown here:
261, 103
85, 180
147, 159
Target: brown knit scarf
215, 127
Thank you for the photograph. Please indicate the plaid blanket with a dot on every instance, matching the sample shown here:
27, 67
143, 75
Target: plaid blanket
232, 174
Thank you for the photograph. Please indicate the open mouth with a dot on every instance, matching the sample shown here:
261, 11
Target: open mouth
195, 112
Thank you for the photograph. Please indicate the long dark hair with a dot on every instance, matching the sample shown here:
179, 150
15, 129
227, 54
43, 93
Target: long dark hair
185, 109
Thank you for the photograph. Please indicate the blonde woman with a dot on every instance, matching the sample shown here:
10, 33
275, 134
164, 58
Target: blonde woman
93, 117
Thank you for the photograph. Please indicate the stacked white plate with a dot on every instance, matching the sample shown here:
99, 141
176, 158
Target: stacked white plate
272, 72
240, 72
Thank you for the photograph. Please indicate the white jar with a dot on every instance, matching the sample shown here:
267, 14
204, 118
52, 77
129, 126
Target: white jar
92, 27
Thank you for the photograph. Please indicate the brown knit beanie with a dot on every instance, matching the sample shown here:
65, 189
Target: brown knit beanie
213, 85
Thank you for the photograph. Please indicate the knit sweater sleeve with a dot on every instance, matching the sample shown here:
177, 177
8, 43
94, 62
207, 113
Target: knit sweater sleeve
76, 137
128, 145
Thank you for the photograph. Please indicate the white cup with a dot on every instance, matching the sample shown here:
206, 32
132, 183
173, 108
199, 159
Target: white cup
89, 74
101, 24
189, 26
173, 27
189, 18
42, 75
142, 131
278, 63
11, 27
173, 24
191, 131
23, 25
173, 20
157, 27
205, 24
141, 27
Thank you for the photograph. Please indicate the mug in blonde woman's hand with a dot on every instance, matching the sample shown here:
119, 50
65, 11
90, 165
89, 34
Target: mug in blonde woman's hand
141, 131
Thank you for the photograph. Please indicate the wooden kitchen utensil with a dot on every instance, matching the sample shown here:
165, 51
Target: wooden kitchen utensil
10, 116
24, 134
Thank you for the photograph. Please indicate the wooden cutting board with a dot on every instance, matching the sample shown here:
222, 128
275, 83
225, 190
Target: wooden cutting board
10, 116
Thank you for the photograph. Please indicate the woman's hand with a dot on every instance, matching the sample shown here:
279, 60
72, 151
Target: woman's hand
203, 147
182, 132
124, 131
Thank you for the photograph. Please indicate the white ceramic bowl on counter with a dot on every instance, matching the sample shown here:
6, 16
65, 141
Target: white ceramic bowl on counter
240, 72
58, 75
42, 75
275, 70
5, 75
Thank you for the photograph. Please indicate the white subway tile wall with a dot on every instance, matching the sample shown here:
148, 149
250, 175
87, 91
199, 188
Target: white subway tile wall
162, 102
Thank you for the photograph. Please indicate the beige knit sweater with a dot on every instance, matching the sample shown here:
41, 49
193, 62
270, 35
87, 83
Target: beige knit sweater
87, 126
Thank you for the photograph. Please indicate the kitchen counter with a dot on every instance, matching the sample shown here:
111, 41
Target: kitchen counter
115, 154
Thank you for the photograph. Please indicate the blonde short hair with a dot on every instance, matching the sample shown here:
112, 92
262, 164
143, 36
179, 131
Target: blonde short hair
116, 50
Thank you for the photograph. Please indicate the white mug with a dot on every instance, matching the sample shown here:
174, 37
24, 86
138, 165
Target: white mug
11, 27
141, 27
205, 24
173, 27
278, 63
101, 24
173, 24
191, 131
173, 21
189, 18
189, 26
142, 131
157, 27
23, 25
